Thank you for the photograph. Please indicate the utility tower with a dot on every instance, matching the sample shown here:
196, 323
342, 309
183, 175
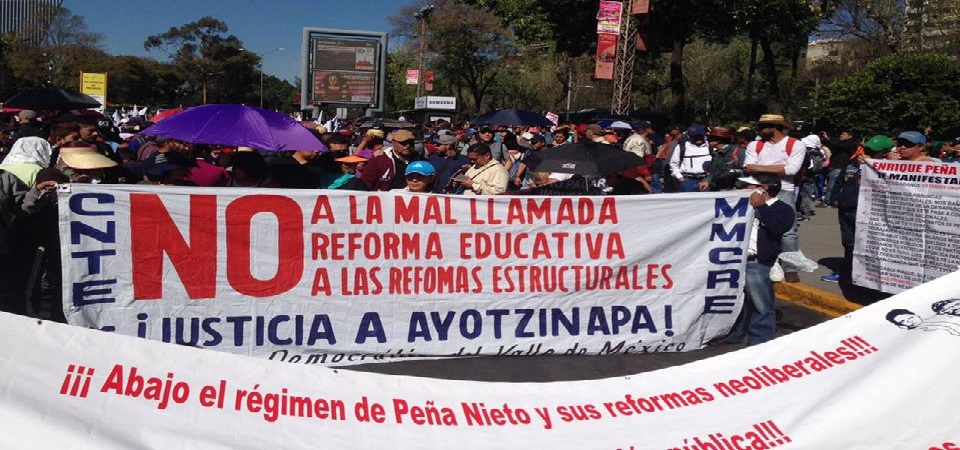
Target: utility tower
623, 67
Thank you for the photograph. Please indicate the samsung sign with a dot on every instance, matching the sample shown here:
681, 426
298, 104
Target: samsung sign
447, 103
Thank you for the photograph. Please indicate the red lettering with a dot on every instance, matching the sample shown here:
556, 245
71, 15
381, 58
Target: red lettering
239, 248
154, 233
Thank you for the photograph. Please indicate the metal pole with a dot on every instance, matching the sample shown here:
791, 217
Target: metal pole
423, 47
261, 83
569, 88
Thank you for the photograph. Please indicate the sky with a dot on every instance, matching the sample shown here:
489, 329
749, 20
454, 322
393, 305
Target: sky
260, 24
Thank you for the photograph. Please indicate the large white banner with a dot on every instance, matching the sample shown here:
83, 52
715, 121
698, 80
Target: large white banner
908, 224
336, 277
879, 378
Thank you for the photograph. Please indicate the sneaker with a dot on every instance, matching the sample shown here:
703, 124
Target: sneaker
832, 278
822, 205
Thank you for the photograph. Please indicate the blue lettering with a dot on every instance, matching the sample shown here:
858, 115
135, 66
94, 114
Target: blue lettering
81, 293
722, 209
419, 327
78, 229
370, 326
76, 204
715, 257
719, 304
738, 233
729, 276
93, 258
468, 318
272, 330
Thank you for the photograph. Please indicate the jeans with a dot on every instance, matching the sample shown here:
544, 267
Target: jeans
791, 239
807, 195
689, 185
758, 318
829, 196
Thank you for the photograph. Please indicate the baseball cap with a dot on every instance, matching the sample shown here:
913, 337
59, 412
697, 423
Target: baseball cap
879, 143
27, 114
421, 167
914, 137
445, 137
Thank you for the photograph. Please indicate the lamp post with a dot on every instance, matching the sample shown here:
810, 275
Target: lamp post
260, 57
422, 17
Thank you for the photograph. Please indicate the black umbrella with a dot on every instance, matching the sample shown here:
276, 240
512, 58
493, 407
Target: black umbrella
585, 158
51, 98
512, 117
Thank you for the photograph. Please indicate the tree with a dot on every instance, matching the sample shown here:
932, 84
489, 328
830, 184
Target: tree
896, 92
466, 43
215, 66
69, 47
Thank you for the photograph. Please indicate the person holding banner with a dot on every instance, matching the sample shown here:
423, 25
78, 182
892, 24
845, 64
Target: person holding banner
847, 194
772, 219
911, 146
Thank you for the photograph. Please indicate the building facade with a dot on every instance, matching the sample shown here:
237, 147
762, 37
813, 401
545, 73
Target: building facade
27, 19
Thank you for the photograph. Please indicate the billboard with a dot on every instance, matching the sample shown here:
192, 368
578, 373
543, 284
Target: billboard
345, 67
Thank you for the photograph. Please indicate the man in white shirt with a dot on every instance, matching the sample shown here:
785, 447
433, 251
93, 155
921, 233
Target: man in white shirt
637, 142
486, 176
782, 156
688, 159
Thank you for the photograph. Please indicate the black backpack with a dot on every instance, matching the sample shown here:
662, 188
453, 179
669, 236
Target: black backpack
813, 161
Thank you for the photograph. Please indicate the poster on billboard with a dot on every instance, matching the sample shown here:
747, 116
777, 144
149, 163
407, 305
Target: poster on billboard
608, 17
344, 87
345, 67
606, 56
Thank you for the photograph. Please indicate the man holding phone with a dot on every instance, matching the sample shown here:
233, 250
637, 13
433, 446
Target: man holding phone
486, 176
772, 218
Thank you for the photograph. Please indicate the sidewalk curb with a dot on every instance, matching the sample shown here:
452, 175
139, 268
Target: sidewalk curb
819, 300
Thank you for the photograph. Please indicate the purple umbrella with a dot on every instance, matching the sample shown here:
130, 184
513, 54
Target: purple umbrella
237, 126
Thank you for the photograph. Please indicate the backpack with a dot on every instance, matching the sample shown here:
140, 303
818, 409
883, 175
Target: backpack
814, 161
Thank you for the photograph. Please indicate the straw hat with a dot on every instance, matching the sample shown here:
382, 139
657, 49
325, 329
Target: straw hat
85, 158
775, 119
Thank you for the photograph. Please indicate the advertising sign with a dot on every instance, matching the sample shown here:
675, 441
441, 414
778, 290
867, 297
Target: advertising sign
344, 67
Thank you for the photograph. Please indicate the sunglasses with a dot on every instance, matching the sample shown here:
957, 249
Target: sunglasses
417, 177
406, 143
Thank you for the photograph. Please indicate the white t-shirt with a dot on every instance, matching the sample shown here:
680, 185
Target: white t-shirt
775, 154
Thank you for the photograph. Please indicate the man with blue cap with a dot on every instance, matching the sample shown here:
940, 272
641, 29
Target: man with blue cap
419, 176
911, 146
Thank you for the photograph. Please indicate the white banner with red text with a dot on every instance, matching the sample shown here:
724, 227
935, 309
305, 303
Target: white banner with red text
879, 378
336, 277
908, 224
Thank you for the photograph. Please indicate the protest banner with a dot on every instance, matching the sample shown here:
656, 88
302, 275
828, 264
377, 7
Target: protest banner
908, 224
608, 17
878, 378
606, 57
337, 277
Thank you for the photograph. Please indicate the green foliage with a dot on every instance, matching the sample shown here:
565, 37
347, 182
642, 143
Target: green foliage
214, 66
894, 92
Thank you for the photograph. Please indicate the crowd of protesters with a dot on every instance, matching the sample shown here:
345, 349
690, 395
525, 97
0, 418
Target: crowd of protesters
800, 170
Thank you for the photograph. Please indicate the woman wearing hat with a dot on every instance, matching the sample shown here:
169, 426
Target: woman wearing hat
349, 166
82, 163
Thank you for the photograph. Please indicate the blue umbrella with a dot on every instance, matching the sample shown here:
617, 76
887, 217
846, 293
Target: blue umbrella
512, 117
237, 126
